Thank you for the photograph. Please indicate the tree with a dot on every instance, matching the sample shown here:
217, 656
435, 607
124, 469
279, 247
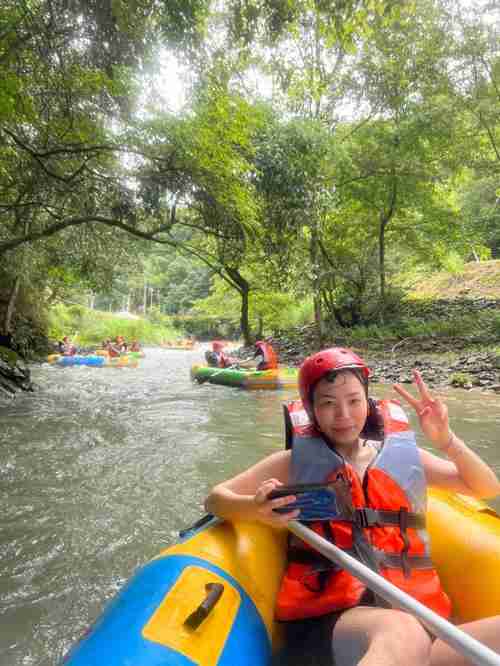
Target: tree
198, 177
66, 83
296, 181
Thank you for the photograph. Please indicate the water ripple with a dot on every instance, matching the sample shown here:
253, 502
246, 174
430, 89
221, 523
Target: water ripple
101, 468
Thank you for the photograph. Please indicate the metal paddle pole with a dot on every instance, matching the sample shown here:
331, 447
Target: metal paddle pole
463, 643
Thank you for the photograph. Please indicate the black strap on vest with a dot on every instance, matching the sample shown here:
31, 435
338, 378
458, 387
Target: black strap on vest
379, 517
384, 560
288, 428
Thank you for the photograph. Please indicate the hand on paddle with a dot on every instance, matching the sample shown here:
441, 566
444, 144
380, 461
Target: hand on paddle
265, 506
432, 412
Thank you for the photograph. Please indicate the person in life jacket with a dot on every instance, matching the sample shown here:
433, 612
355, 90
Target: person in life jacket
115, 348
264, 358
66, 347
216, 358
377, 477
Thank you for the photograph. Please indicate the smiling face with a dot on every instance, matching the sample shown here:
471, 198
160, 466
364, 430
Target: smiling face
341, 408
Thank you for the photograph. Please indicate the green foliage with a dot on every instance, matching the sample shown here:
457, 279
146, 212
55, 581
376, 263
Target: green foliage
453, 263
269, 311
206, 326
461, 380
373, 162
483, 325
495, 324
91, 327
481, 211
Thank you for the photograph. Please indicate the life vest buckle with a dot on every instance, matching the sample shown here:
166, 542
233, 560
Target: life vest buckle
366, 517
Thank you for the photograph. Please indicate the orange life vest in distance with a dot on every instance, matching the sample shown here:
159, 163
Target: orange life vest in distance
381, 521
217, 359
270, 358
225, 361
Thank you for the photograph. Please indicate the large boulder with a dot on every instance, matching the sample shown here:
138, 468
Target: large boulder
14, 374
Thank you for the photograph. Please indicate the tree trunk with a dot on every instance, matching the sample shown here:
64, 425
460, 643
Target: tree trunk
244, 289
381, 256
313, 251
385, 218
260, 331
244, 319
11, 306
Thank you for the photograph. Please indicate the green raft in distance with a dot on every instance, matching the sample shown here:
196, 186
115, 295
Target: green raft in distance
281, 378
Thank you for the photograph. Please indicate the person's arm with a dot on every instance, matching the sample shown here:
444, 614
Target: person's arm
244, 497
464, 471
247, 363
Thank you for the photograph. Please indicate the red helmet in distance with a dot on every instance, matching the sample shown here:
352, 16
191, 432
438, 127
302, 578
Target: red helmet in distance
217, 346
318, 365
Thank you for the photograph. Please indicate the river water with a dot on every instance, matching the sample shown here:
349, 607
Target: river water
100, 468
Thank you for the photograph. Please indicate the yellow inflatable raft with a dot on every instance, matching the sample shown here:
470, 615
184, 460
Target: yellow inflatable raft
209, 599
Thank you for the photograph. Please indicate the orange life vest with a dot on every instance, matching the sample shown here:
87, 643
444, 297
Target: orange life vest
381, 521
270, 358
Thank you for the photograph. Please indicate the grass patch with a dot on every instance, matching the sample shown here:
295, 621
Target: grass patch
90, 327
477, 279
461, 380
485, 325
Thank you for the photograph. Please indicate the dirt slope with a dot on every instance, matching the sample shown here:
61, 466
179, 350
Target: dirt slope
479, 279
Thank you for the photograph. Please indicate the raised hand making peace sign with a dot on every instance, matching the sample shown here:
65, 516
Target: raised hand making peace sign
432, 412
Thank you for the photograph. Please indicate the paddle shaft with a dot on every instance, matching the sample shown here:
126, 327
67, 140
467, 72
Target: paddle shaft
463, 643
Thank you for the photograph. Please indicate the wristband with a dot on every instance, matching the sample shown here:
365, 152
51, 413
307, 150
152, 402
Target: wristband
450, 445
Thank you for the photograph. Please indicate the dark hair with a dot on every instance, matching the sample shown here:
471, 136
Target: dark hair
374, 425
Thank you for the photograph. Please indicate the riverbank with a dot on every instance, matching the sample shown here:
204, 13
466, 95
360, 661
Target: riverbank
88, 328
455, 342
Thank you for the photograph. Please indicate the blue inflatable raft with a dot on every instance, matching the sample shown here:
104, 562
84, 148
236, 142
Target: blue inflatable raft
205, 600
209, 599
96, 361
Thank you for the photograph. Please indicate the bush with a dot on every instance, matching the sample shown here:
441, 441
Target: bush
90, 327
453, 263
461, 379
206, 326
495, 324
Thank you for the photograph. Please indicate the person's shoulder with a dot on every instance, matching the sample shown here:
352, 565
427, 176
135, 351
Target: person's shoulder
279, 458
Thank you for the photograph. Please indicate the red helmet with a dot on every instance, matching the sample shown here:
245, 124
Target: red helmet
217, 346
318, 365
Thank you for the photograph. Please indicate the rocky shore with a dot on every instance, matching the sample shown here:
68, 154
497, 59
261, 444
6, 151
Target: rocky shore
462, 362
14, 374
465, 360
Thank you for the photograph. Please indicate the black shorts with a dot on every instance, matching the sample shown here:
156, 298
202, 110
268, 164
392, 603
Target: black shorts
368, 599
309, 641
